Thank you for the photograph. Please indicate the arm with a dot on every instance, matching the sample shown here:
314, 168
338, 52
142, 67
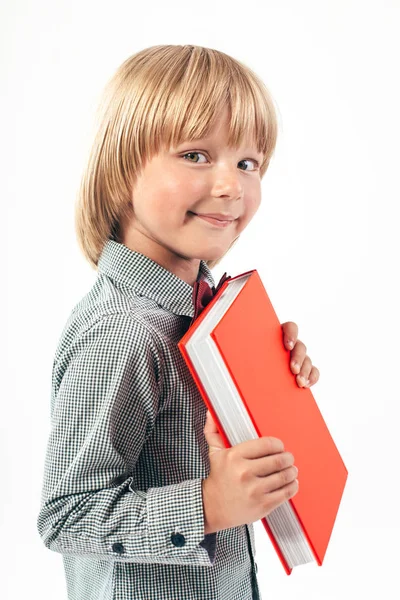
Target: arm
106, 399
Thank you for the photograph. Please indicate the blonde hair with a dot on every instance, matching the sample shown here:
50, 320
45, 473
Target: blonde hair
159, 97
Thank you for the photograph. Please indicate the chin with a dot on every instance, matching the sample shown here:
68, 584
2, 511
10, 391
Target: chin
209, 255
204, 251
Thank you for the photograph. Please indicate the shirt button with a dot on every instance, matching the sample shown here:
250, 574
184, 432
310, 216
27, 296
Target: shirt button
117, 547
178, 539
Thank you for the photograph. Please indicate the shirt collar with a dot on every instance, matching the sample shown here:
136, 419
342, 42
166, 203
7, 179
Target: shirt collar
148, 278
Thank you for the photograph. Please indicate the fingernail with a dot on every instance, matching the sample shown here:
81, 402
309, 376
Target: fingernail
295, 366
290, 343
302, 380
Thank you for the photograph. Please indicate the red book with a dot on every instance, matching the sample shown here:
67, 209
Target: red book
235, 353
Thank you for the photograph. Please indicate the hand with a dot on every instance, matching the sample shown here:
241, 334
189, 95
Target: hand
246, 482
300, 364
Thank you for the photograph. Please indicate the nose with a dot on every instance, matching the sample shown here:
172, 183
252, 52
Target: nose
227, 183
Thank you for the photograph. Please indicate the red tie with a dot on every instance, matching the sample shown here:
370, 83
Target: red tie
203, 294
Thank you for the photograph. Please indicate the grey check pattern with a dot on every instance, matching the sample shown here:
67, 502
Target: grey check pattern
126, 455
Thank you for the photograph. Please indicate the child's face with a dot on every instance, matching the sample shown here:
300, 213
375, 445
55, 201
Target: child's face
174, 185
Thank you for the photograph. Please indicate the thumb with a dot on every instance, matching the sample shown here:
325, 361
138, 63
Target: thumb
214, 439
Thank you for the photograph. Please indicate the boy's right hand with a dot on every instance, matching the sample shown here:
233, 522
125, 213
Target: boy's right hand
246, 482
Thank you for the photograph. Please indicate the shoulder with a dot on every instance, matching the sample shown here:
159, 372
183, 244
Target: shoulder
106, 312
107, 302
115, 339
114, 332
114, 348
122, 327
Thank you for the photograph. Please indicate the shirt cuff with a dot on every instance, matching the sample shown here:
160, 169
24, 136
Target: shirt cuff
175, 520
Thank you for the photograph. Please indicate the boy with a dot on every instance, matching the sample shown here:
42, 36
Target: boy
132, 498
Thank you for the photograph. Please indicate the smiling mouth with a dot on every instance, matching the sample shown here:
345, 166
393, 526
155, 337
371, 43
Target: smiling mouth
212, 220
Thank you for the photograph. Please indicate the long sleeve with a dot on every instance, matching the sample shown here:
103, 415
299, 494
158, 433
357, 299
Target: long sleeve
106, 395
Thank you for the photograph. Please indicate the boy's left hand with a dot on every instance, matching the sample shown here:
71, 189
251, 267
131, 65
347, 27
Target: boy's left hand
300, 363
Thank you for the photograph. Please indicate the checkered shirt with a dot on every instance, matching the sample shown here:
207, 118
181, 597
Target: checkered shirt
126, 455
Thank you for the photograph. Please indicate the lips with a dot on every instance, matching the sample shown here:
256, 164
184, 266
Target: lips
213, 221
217, 217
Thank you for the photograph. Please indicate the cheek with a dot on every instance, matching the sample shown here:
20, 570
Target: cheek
250, 210
174, 200
256, 206
162, 208
252, 206
185, 186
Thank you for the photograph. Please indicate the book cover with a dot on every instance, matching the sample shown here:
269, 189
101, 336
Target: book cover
249, 339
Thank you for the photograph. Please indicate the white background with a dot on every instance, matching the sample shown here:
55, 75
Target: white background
325, 242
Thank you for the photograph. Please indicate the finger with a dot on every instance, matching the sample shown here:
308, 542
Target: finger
276, 497
213, 437
270, 464
260, 447
304, 374
278, 480
290, 332
313, 377
210, 425
297, 356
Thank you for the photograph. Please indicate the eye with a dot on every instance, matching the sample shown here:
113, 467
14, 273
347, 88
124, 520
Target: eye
250, 160
242, 161
191, 154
